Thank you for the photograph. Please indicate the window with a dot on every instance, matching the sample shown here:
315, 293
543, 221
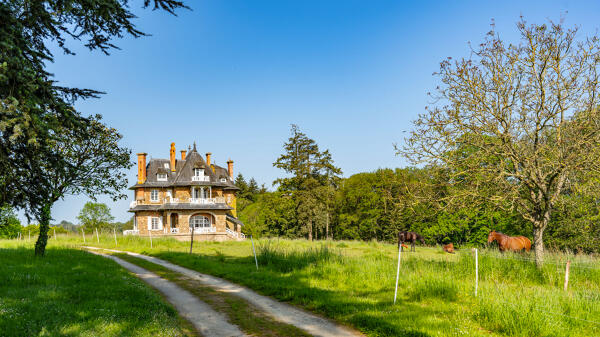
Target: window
198, 172
223, 180
199, 193
154, 195
199, 221
166, 165
155, 224
161, 177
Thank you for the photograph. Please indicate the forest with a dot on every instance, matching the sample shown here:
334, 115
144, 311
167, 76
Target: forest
315, 202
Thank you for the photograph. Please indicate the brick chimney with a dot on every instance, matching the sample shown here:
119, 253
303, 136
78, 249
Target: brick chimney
183, 152
172, 157
230, 168
208, 154
141, 167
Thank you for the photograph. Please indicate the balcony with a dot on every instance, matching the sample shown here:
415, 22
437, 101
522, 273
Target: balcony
201, 178
200, 230
207, 201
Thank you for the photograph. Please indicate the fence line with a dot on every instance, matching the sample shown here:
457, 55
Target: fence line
574, 264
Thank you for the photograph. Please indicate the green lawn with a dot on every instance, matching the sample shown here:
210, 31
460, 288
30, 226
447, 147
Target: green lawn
73, 293
353, 282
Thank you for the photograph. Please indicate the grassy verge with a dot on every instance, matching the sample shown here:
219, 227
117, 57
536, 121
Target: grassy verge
353, 282
241, 313
73, 293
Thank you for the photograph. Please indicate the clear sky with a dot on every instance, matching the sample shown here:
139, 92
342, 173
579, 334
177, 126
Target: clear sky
233, 75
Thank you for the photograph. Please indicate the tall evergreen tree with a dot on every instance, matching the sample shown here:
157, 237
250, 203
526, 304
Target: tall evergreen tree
310, 170
35, 112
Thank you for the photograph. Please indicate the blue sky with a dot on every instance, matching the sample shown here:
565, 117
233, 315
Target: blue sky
233, 75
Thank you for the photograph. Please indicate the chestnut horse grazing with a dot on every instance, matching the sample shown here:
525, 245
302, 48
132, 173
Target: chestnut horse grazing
411, 237
449, 248
506, 242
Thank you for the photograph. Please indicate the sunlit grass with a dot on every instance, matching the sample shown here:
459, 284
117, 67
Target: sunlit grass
73, 293
354, 282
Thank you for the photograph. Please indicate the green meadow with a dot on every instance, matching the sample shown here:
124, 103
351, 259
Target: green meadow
353, 282
73, 293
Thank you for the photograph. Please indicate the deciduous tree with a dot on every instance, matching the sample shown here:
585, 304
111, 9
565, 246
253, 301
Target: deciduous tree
514, 123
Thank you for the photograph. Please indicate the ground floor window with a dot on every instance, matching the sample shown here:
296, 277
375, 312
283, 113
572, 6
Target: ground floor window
154, 223
199, 221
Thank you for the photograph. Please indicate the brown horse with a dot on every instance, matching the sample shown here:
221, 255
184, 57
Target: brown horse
411, 237
506, 242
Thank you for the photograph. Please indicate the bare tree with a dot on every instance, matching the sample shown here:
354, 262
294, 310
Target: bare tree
515, 124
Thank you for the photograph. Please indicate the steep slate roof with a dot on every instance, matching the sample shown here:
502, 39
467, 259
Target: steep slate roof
184, 170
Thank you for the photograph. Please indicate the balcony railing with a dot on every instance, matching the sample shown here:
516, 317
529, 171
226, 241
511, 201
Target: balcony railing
207, 201
199, 201
131, 232
200, 178
200, 230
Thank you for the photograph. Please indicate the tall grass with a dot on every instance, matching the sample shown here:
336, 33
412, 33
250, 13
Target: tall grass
354, 282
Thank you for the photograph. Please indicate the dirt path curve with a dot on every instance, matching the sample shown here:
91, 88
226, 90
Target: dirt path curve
313, 324
207, 321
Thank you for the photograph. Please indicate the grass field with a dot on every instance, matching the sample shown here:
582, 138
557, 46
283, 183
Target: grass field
353, 282
73, 293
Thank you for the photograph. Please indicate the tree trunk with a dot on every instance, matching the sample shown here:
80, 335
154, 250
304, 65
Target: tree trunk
538, 243
327, 227
310, 230
40, 244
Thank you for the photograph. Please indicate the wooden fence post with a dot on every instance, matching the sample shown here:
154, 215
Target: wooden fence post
192, 241
83, 234
150, 232
54, 230
567, 275
254, 251
115, 233
398, 271
29, 234
97, 237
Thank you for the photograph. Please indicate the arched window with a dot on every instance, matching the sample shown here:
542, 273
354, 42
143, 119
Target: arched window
199, 221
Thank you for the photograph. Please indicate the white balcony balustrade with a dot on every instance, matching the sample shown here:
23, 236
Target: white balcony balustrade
200, 230
174, 230
131, 232
200, 178
207, 201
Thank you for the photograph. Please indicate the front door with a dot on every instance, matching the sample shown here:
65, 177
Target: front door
174, 221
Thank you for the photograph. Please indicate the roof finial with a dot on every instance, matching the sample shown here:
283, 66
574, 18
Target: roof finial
195, 146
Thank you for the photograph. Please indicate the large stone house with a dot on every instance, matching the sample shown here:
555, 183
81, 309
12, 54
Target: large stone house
172, 196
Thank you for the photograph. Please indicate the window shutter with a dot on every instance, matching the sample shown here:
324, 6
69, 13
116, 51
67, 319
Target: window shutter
149, 222
160, 222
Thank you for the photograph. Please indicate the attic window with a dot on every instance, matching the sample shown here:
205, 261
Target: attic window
161, 177
198, 172
223, 180
166, 165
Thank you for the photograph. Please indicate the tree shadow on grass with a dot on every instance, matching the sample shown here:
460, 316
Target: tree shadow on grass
73, 293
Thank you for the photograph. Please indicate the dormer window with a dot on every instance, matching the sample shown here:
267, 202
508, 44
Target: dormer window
161, 177
199, 175
223, 180
166, 165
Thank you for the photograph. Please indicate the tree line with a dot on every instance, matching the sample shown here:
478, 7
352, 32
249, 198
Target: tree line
313, 201
92, 216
